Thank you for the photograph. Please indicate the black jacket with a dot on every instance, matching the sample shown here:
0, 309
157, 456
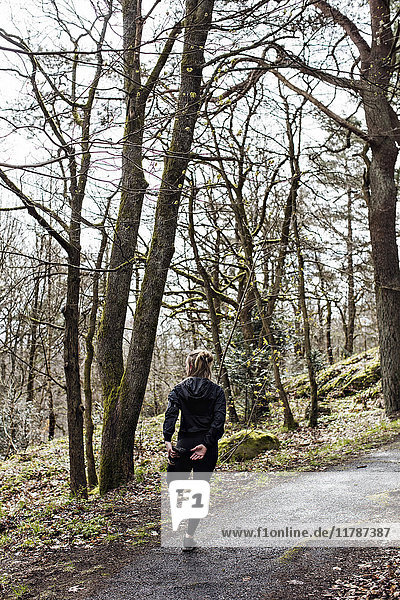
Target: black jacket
203, 409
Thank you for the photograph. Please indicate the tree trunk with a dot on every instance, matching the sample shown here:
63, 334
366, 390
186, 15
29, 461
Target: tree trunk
52, 414
87, 388
30, 393
71, 367
298, 343
124, 402
328, 331
306, 326
49, 391
384, 129
134, 185
328, 324
351, 303
87, 369
382, 220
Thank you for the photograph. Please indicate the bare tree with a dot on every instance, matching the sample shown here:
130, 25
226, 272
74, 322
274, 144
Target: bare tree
76, 161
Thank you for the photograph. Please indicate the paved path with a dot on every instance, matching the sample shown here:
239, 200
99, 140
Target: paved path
260, 573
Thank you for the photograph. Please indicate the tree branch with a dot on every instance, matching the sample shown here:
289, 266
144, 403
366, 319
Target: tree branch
349, 126
33, 212
347, 25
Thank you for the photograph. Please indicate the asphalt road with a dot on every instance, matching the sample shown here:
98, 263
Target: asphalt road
366, 490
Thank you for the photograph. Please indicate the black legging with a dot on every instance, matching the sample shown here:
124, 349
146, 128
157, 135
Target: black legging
202, 468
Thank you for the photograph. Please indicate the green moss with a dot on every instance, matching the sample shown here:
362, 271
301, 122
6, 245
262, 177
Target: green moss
5, 540
303, 388
20, 591
141, 535
338, 383
111, 473
245, 445
358, 372
364, 378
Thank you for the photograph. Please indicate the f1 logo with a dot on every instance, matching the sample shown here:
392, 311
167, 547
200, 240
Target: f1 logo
189, 499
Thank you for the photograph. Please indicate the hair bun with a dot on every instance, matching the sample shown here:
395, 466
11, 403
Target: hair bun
198, 363
206, 356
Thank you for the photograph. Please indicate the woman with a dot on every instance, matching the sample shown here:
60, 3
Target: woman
203, 409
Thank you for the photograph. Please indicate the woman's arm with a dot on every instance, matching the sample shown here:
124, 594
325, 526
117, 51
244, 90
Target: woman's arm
217, 426
171, 416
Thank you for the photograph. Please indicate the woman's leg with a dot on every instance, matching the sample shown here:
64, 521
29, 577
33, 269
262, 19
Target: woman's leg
203, 469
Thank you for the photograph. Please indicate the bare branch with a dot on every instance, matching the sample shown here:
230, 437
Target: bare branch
327, 111
349, 27
33, 212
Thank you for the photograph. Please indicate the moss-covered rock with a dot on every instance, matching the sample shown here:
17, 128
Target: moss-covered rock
364, 378
245, 445
337, 384
345, 378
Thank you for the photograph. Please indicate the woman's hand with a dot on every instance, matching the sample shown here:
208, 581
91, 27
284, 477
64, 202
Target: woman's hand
170, 452
198, 452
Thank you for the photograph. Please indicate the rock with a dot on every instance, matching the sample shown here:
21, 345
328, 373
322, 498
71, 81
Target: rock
245, 445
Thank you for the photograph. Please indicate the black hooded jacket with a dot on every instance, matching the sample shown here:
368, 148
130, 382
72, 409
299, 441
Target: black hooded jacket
203, 409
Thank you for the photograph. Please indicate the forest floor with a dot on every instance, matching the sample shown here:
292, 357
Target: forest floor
54, 547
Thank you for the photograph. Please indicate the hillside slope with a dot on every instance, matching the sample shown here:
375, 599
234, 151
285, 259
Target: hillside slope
357, 378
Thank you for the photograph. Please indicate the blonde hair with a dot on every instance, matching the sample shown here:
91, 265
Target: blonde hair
198, 363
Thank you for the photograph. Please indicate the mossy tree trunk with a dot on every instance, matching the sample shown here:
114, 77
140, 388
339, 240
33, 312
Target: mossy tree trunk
382, 225
122, 259
124, 402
